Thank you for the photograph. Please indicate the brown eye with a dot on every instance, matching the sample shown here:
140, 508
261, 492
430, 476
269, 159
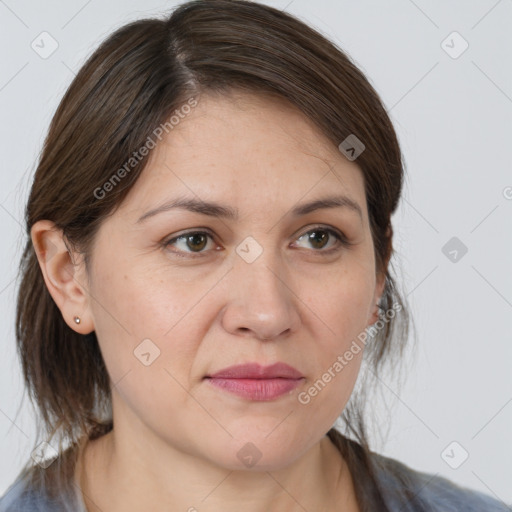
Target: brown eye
196, 241
319, 238
189, 243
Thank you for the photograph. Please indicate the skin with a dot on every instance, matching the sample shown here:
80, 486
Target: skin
176, 437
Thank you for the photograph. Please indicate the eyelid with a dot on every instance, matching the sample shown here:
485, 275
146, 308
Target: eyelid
329, 229
341, 238
195, 231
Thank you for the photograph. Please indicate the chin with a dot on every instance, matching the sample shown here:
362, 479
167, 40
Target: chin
257, 451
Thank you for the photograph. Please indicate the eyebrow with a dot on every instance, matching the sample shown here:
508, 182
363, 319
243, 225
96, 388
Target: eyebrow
213, 209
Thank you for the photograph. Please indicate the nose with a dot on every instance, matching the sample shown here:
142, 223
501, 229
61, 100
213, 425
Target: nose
262, 302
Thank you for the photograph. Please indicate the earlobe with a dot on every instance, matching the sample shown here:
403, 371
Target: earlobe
375, 315
63, 274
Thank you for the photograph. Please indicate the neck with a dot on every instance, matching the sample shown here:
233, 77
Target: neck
117, 474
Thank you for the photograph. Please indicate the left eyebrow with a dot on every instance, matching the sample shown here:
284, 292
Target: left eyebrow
214, 209
328, 202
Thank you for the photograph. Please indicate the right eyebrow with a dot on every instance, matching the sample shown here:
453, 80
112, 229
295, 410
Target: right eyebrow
209, 208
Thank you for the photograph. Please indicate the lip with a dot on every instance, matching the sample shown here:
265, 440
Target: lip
256, 382
257, 371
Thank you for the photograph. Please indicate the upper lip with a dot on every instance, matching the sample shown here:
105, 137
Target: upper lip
257, 371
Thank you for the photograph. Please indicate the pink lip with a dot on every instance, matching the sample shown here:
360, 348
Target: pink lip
256, 371
257, 382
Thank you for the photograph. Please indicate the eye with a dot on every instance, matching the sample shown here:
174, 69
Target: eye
320, 237
190, 243
196, 243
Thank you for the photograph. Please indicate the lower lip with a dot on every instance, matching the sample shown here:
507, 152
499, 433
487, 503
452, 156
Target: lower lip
257, 389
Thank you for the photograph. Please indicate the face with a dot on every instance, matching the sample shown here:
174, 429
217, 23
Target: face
180, 295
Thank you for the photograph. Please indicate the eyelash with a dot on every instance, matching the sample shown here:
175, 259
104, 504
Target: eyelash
341, 239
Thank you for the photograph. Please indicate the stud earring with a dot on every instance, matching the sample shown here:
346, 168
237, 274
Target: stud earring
77, 320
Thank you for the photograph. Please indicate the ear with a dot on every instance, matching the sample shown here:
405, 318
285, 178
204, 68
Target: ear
379, 290
381, 277
64, 275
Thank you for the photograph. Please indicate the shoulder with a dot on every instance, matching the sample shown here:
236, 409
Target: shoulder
21, 496
49, 489
410, 490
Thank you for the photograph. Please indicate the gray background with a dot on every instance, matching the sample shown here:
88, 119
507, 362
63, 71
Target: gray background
454, 119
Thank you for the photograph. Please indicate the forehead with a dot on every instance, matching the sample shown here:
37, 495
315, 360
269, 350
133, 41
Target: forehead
245, 148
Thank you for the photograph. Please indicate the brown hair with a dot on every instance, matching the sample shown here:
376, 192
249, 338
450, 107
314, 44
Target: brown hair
130, 85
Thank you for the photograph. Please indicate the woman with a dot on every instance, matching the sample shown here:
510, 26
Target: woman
207, 263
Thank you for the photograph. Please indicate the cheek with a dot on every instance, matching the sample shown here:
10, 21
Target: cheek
337, 345
343, 304
337, 357
147, 324
137, 302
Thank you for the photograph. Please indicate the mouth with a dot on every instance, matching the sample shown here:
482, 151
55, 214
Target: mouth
255, 382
